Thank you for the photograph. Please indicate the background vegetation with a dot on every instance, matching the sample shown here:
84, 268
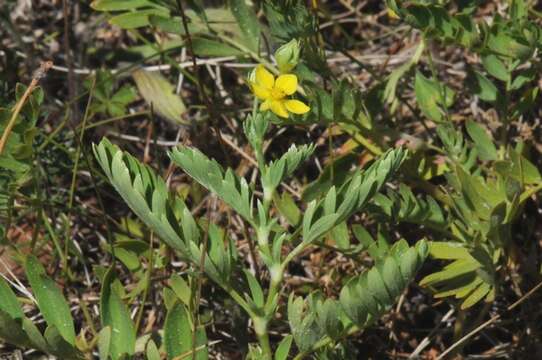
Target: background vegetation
151, 208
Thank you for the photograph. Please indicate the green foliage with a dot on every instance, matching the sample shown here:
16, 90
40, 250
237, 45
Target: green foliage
106, 100
116, 317
404, 206
50, 300
462, 187
367, 296
59, 336
17, 156
230, 188
362, 301
146, 194
178, 335
248, 22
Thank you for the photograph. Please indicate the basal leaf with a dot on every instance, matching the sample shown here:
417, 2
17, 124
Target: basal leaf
115, 314
8, 301
50, 300
59, 347
178, 335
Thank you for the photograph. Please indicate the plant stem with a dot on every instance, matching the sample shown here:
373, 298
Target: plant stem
260, 327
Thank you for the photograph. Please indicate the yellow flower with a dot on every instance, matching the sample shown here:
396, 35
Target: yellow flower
273, 92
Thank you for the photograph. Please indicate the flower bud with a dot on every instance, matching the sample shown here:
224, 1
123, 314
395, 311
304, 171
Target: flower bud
251, 76
287, 56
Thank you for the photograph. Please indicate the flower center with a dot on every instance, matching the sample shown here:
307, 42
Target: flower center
277, 94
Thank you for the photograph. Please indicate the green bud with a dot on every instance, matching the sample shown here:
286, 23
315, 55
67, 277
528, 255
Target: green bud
251, 77
287, 56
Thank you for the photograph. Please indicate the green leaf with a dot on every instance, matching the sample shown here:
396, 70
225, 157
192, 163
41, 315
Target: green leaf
51, 302
305, 329
391, 274
115, 314
255, 289
482, 141
455, 269
137, 19
523, 78
128, 258
104, 342
177, 331
116, 5
181, 288
212, 48
143, 191
476, 296
34, 335
448, 250
152, 351
320, 227
248, 22
519, 168
159, 93
366, 296
286, 206
178, 334
396, 75
11, 330
327, 317
428, 97
228, 186
280, 169
340, 235
495, 67
483, 87
9, 302
284, 348
377, 287
59, 347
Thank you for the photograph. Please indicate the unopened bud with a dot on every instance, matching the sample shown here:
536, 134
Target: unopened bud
287, 56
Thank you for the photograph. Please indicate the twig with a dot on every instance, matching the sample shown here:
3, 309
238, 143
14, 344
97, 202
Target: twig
489, 322
426, 341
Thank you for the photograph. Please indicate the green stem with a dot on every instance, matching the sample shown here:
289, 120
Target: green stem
260, 327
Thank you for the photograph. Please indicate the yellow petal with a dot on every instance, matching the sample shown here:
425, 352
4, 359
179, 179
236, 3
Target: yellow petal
265, 105
296, 106
260, 91
278, 108
264, 77
287, 83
